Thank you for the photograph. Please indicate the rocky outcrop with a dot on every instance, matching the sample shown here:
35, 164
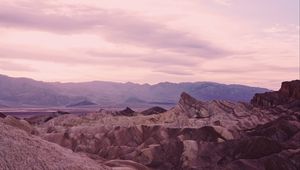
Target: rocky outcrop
125, 165
192, 107
20, 124
19, 150
153, 111
280, 130
260, 149
2, 115
39, 119
154, 146
126, 112
208, 147
291, 89
288, 96
229, 115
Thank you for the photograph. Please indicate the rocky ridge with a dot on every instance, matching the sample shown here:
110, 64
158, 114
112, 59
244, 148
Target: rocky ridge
287, 97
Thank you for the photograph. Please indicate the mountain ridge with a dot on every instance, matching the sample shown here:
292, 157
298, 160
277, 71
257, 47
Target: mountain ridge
29, 92
129, 82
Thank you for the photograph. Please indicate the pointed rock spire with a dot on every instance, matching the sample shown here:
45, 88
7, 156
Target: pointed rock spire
186, 99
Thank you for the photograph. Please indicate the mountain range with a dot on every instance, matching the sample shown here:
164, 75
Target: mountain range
29, 92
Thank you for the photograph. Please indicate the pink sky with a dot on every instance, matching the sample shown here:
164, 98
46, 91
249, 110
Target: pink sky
148, 41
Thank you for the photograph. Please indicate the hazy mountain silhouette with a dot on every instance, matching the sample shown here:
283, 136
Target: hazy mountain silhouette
24, 91
82, 104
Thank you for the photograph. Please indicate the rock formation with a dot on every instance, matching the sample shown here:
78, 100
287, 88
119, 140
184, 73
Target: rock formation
2, 115
153, 111
291, 89
39, 119
288, 96
19, 150
20, 124
192, 135
126, 112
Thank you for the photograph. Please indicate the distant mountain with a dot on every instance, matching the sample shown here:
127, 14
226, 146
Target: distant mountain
28, 92
134, 100
82, 104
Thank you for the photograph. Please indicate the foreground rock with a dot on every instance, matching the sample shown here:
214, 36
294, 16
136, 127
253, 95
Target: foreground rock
20, 124
18, 150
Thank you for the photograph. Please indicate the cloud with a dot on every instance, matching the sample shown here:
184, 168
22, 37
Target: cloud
115, 25
114, 55
93, 57
11, 66
224, 2
147, 58
12, 16
274, 30
174, 72
169, 60
17, 52
258, 68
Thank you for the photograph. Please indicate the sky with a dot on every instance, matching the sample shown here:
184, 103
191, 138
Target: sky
250, 42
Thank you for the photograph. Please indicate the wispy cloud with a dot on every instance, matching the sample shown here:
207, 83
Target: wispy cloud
12, 66
116, 26
224, 2
175, 72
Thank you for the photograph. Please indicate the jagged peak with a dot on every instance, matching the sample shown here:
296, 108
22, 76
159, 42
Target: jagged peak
187, 99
